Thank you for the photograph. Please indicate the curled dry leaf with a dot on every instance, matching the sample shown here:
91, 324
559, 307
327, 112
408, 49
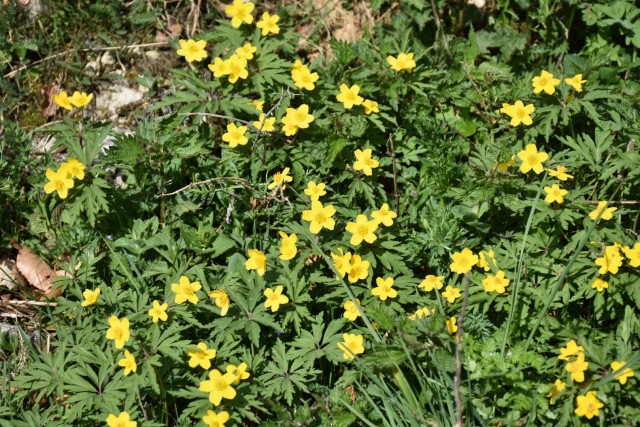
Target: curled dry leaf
36, 271
9, 275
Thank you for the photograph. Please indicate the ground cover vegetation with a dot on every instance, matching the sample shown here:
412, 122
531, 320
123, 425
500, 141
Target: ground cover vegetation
434, 224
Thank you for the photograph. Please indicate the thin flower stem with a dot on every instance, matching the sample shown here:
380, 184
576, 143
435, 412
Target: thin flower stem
458, 377
242, 181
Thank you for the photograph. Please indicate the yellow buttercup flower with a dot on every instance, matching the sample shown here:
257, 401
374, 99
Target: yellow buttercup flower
560, 173
258, 103
342, 262
201, 356
121, 420
404, 62
504, 166
384, 215
192, 50
314, 191
351, 345
235, 135
532, 159
319, 217
364, 162
384, 288
80, 99
351, 309
275, 298
246, 51
624, 374
575, 82
451, 294
240, 372
158, 311
302, 77
558, 386
268, 24
545, 82
118, 331
599, 284
280, 179
495, 283
451, 325
90, 297
420, 313
62, 100
588, 405
240, 12
296, 119
359, 269
520, 113
288, 249
555, 194
602, 210
220, 67
610, 261
128, 362
218, 386
213, 419
257, 261
632, 254
237, 68
572, 349
221, 300
265, 125
486, 260
349, 96
185, 290
577, 368
59, 182
74, 168
370, 106
463, 261
431, 282
362, 229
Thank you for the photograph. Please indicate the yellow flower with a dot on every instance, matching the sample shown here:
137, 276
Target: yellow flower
532, 159
370, 106
384, 288
320, 217
239, 12
624, 374
589, 405
554, 194
221, 300
504, 166
220, 68
239, 372
118, 331
257, 261
599, 284
128, 362
404, 62
302, 77
484, 258
90, 297
235, 135
288, 248
451, 325
280, 179
215, 420
349, 96
201, 356
575, 82
577, 368
362, 229
520, 113
121, 420
430, 282
80, 99
506, 109
463, 261
364, 162
546, 82
605, 214
314, 191
158, 311
237, 68
359, 269
246, 51
610, 261
560, 173
632, 254
420, 313
265, 125
63, 100
572, 349
351, 345
268, 24
59, 182
342, 262
557, 388
275, 298
186, 291
192, 50
218, 386
451, 294
296, 119
495, 283
351, 309
74, 168
258, 104
384, 215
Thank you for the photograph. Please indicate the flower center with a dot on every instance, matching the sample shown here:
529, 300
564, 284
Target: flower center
362, 229
319, 217
532, 158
